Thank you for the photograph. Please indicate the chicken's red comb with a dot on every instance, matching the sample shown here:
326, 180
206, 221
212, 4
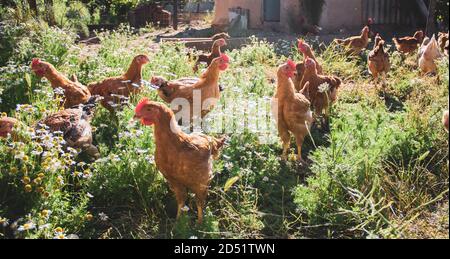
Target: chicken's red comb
141, 104
35, 61
291, 64
225, 58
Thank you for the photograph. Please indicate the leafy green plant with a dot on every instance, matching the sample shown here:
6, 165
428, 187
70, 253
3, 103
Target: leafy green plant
73, 15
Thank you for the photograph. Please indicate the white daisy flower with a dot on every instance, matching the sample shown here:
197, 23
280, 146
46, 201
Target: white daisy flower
27, 226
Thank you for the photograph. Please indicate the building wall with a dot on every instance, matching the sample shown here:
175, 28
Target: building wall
255, 7
335, 14
290, 15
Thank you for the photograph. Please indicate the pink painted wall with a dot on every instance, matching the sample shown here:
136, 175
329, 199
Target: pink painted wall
255, 7
335, 15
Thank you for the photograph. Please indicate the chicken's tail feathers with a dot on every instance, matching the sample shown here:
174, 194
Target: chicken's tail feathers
74, 78
217, 145
334, 82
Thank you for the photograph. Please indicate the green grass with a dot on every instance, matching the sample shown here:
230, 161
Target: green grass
382, 167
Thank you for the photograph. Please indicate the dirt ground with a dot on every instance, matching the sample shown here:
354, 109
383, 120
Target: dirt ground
202, 29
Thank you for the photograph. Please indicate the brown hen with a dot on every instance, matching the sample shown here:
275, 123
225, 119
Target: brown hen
222, 35
74, 92
184, 160
407, 45
183, 90
291, 110
427, 60
215, 53
322, 90
356, 44
114, 89
307, 52
378, 61
75, 126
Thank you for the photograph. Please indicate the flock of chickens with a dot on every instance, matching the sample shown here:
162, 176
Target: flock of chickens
303, 95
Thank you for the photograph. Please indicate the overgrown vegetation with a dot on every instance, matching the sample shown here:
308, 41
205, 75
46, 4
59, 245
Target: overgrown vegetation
382, 167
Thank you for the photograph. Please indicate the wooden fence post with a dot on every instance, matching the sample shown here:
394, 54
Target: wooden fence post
431, 22
175, 14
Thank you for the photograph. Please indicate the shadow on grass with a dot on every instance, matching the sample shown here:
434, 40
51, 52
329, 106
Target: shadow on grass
393, 104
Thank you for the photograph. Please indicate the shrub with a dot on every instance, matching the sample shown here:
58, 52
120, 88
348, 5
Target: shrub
73, 15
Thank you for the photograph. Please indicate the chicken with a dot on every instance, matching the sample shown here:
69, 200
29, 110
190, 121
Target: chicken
186, 161
298, 77
215, 53
307, 52
443, 41
445, 120
407, 45
446, 48
378, 61
322, 90
378, 38
222, 35
291, 110
424, 45
207, 86
75, 125
431, 52
114, 89
356, 44
6, 126
74, 92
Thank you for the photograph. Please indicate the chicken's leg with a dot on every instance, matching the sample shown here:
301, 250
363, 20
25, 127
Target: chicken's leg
201, 201
300, 139
376, 81
286, 139
383, 81
180, 195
